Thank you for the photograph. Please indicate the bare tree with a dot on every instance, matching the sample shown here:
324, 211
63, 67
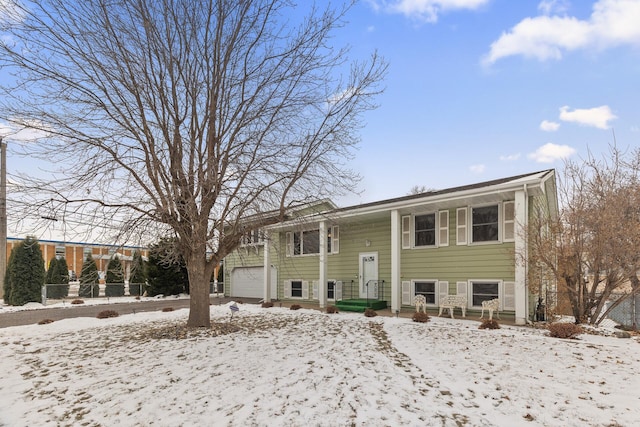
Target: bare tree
591, 249
419, 189
187, 114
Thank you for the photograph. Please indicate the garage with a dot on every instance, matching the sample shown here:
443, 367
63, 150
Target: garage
248, 282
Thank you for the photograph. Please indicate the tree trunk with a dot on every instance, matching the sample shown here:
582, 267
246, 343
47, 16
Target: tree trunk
199, 292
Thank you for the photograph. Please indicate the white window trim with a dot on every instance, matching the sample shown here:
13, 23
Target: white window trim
288, 289
316, 289
436, 290
470, 225
335, 242
435, 231
470, 283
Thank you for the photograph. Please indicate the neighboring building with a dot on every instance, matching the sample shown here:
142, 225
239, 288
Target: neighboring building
461, 241
75, 253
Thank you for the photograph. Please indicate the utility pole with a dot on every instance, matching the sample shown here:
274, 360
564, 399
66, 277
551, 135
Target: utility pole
3, 214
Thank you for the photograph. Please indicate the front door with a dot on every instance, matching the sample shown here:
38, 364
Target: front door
369, 275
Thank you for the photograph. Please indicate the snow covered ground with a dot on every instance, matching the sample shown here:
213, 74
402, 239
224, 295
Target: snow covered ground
306, 368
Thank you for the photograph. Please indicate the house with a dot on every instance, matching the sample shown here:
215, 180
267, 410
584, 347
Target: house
466, 240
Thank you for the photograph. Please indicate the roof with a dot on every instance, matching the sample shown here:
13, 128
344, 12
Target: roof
502, 188
514, 180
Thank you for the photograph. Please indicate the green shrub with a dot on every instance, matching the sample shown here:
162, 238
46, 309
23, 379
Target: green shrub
420, 317
369, 312
564, 330
89, 287
166, 270
25, 273
489, 324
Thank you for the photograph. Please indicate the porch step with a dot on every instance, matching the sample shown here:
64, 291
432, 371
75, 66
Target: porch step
359, 305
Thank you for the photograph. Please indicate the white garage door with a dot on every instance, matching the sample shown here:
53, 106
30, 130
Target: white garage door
248, 282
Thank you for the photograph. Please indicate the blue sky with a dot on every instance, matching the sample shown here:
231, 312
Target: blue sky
483, 89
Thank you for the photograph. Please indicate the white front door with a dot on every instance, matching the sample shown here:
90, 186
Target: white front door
369, 275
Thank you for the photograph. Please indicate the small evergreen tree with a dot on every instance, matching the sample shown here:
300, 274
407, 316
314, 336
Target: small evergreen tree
137, 278
52, 266
27, 273
166, 270
89, 286
115, 278
7, 279
58, 277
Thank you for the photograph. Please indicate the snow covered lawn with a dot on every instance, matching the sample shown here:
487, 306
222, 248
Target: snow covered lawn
301, 368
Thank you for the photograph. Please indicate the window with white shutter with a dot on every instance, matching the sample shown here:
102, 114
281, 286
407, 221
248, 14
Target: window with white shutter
443, 227
406, 232
509, 216
461, 226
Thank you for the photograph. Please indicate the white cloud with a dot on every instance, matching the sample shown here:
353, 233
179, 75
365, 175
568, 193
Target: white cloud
548, 126
551, 152
547, 7
31, 131
598, 117
612, 23
425, 10
510, 157
477, 168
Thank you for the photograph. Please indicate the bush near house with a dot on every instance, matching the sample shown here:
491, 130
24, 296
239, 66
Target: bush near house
564, 330
25, 273
369, 312
295, 307
489, 324
332, 309
420, 317
267, 304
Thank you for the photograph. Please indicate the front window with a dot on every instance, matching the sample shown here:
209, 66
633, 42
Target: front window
253, 237
428, 289
331, 289
425, 230
484, 291
307, 242
311, 242
296, 289
485, 224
